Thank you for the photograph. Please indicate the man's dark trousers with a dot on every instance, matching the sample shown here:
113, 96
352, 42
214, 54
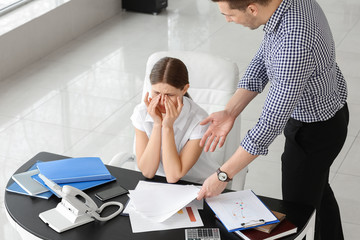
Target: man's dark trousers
310, 149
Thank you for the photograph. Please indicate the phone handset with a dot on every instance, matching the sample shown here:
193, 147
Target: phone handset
89, 206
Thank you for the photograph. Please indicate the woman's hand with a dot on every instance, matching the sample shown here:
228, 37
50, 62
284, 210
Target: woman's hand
152, 108
172, 112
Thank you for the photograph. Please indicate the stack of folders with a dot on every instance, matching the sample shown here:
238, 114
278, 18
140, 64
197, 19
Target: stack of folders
271, 231
82, 173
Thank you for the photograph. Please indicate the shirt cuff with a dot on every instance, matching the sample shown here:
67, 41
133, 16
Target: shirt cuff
253, 148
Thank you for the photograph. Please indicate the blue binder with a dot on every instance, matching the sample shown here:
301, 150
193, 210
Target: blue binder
74, 170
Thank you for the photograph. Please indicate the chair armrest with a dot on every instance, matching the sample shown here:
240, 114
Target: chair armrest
121, 158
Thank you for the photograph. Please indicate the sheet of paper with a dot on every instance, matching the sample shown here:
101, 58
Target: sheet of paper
181, 219
195, 204
159, 201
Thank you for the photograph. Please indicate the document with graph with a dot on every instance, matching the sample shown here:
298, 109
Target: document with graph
241, 210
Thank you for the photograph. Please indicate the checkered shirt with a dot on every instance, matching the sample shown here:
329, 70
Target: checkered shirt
297, 57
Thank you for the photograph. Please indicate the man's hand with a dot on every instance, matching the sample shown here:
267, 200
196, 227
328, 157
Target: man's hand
211, 187
220, 125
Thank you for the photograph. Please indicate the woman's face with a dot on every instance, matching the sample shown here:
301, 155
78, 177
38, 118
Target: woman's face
164, 89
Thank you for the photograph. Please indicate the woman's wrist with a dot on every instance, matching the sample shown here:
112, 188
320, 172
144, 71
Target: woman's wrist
167, 128
157, 125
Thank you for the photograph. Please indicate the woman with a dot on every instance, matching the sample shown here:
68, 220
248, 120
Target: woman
167, 127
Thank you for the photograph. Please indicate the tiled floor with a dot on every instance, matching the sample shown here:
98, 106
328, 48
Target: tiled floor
77, 101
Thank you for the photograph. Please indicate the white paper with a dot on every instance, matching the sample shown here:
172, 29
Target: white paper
241, 207
159, 201
178, 220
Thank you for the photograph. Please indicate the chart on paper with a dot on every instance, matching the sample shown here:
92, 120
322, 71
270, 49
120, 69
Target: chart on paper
240, 211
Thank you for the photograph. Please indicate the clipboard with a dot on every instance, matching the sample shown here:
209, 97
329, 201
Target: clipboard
241, 210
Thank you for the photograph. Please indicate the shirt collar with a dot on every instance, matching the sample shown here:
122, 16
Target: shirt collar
180, 121
277, 15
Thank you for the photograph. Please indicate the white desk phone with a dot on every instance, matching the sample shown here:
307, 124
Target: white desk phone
76, 208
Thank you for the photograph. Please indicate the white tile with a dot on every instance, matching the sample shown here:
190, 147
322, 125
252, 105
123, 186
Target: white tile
17, 98
342, 8
124, 60
341, 25
353, 85
119, 123
241, 43
7, 231
351, 231
26, 138
347, 192
264, 178
9, 166
75, 110
276, 149
351, 163
348, 62
107, 83
351, 41
354, 122
85, 53
49, 75
5, 122
350, 141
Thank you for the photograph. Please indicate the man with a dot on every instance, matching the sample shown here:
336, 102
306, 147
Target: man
306, 100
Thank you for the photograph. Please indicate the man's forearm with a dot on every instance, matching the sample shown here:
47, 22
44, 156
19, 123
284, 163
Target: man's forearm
239, 160
237, 103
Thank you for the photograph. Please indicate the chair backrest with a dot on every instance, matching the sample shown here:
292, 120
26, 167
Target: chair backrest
213, 81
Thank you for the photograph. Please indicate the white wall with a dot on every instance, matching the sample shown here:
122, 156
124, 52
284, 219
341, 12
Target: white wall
42, 35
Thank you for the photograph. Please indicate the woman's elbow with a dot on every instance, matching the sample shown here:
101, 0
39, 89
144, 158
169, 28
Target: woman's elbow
148, 175
173, 178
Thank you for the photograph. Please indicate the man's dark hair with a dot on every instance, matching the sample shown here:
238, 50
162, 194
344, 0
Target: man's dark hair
242, 4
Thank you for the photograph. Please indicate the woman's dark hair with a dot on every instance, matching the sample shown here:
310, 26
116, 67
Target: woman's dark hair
243, 4
171, 71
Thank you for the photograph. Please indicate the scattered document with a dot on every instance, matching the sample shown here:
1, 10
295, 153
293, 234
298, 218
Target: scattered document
241, 210
161, 206
159, 201
184, 218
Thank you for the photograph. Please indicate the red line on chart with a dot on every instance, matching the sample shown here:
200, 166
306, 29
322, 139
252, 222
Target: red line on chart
191, 214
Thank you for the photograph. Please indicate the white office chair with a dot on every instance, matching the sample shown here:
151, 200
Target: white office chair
213, 81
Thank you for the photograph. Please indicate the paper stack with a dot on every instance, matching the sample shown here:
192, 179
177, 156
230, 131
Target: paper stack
160, 206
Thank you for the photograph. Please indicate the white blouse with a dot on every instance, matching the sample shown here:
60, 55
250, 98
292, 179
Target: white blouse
186, 127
